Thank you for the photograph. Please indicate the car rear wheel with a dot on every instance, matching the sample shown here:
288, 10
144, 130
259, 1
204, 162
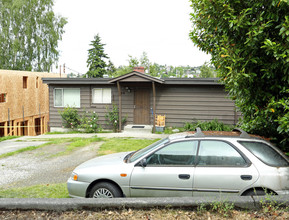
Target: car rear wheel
105, 190
258, 192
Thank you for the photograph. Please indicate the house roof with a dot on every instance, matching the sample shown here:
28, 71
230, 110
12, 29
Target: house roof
132, 77
192, 81
136, 77
74, 81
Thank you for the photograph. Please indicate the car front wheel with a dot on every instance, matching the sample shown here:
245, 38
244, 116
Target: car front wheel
105, 190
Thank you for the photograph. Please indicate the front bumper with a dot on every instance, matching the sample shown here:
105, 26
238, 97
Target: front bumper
77, 189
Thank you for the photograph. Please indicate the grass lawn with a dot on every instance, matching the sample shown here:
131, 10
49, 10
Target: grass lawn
116, 145
74, 143
7, 138
37, 191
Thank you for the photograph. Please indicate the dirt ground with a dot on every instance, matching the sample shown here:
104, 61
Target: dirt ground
43, 165
152, 214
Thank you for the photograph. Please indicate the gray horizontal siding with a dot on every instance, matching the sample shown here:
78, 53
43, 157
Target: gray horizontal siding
87, 105
187, 103
180, 104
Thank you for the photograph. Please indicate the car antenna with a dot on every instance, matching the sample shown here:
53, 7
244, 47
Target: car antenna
243, 134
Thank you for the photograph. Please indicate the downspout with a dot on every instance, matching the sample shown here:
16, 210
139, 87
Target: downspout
119, 106
154, 106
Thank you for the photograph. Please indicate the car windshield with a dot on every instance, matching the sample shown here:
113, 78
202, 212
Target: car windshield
266, 153
138, 154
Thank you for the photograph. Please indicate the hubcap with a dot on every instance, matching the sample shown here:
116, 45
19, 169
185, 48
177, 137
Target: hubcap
102, 193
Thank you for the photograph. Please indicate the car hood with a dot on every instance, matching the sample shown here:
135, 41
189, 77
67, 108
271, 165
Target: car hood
111, 159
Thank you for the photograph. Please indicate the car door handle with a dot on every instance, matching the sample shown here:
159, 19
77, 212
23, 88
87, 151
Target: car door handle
184, 176
246, 177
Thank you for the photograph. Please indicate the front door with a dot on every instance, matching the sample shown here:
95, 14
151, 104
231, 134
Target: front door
142, 106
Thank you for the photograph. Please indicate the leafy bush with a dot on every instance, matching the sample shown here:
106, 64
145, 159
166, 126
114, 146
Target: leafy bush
90, 123
271, 122
213, 125
112, 117
250, 51
70, 118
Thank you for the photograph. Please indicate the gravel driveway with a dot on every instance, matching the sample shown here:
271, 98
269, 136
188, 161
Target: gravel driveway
43, 165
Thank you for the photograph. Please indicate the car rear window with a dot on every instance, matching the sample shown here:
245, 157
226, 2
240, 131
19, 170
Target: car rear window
266, 153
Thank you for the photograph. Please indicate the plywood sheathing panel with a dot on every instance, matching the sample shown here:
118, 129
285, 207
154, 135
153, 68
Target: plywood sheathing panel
32, 101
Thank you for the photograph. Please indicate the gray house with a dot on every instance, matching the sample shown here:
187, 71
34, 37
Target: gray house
141, 97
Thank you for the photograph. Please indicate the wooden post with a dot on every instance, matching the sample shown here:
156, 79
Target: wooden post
41, 121
5, 129
154, 106
18, 128
22, 127
9, 123
119, 105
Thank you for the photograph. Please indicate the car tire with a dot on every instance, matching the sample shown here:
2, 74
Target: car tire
105, 190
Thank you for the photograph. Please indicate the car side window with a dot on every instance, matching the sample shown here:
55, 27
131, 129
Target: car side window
219, 153
181, 153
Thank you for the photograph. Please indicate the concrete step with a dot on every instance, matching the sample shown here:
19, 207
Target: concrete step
138, 128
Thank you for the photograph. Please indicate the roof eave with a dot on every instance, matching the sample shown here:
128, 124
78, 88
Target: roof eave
74, 81
192, 81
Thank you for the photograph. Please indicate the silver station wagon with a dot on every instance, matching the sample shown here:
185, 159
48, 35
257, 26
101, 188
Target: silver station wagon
186, 165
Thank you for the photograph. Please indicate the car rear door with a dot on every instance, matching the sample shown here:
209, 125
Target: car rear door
221, 168
168, 172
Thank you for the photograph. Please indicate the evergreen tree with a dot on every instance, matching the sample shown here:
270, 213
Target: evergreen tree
111, 68
96, 61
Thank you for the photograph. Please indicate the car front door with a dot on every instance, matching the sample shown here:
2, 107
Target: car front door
168, 172
222, 169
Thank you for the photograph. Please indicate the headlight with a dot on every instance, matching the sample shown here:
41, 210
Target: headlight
74, 176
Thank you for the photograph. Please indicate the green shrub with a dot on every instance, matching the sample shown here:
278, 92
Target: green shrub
112, 117
70, 118
90, 123
213, 125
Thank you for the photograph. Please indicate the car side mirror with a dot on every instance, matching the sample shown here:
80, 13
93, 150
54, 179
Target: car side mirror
143, 162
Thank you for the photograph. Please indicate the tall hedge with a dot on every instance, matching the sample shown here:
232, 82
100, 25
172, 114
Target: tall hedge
249, 44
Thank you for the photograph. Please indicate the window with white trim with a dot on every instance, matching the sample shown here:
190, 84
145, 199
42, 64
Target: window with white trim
101, 95
64, 97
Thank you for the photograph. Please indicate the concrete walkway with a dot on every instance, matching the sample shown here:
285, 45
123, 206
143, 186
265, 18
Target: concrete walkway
28, 141
16, 144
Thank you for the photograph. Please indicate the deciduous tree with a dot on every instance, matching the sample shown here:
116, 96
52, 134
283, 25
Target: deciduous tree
207, 71
29, 35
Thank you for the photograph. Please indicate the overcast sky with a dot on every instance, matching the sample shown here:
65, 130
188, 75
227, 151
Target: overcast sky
128, 27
